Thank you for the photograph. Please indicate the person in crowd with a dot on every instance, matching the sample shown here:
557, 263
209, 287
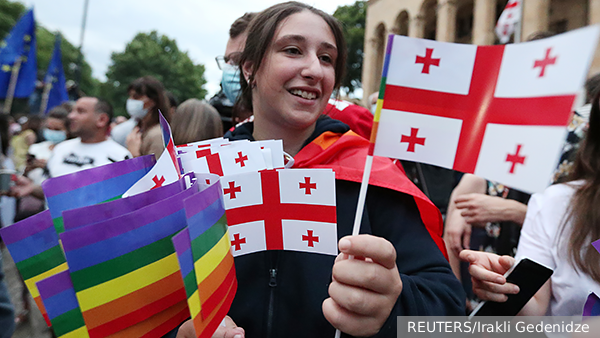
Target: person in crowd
173, 103
21, 141
194, 121
225, 99
558, 230
147, 96
293, 59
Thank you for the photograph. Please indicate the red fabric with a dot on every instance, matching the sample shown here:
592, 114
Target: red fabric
346, 155
358, 118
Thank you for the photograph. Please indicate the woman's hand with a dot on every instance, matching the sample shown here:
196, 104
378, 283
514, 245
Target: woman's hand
457, 232
134, 142
230, 330
364, 290
479, 209
487, 273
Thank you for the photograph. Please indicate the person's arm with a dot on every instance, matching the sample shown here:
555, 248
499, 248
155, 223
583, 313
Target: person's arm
134, 142
481, 209
25, 187
152, 143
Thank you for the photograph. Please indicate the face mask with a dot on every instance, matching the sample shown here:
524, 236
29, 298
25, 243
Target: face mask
135, 108
54, 136
231, 82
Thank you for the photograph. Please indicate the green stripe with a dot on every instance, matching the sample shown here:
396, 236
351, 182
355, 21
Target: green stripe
67, 322
111, 199
382, 88
59, 225
189, 282
122, 265
41, 263
203, 243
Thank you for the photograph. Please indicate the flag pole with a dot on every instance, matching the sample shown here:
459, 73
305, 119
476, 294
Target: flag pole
12, 86
45, 97
519, 23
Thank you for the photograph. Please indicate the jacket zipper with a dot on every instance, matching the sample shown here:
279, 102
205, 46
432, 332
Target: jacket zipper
272, 285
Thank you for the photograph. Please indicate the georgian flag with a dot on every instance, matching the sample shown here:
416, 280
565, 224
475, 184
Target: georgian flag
285, 209
499, 112
225, 159
508, 20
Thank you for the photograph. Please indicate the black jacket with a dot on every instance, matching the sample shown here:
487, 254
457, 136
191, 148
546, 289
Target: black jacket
280, 293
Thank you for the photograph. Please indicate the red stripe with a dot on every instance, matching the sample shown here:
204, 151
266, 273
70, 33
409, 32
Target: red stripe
221, 292
169, 325
139, 315
40, 305
480, 107
207, 329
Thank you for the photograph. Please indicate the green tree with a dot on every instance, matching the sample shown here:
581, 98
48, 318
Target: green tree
156, 55
353, 19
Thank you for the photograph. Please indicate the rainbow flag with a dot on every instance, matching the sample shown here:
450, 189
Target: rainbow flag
183, 248
168, 141
62, 307
93, 186
596, 245
592, 306
33, 245
213, 262
124, 270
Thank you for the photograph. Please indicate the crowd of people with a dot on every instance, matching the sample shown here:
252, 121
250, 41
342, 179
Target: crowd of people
281, 69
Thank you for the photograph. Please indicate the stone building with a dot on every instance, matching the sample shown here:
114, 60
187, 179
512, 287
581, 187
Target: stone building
463, 21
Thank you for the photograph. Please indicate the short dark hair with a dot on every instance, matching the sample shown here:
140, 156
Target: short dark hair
240, 25
261, 32
103, 106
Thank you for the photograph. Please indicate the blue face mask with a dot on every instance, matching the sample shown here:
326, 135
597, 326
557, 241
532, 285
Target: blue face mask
54, 136
231, 82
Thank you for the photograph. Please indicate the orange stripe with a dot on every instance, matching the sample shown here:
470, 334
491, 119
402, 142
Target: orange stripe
208, 286
133, 301
169, 325
326, 139
150, 324
205, 328
40, 305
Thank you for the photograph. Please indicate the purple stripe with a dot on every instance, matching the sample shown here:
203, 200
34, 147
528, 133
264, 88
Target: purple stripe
389, 46
199, 202
33, 245
181, 241
75, 239
59, 185
388, 56
55, 284
165, 128
596, 245
588, 308
182, 245
77, 218
27, 227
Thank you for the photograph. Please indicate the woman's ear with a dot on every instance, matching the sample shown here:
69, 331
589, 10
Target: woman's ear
247, 71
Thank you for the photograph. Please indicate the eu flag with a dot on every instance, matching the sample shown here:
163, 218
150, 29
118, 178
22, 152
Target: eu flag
55, 77
20, 43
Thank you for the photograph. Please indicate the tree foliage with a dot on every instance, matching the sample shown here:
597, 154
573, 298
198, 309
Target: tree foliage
156, 55
353, 19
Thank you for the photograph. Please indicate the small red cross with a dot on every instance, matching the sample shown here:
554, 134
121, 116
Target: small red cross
241, 159
412, 140
237, 242
207, 181
232, 190
307, 185
157, 182
427, 61
310, 239
547, 61
516, 158
512, 5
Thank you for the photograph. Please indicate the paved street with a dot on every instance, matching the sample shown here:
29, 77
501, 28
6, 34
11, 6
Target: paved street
36, 326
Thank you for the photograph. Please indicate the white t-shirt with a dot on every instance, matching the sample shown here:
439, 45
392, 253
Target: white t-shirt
542, 240
120, 131
72, 155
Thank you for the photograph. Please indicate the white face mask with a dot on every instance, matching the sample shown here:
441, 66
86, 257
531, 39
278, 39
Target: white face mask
135, 109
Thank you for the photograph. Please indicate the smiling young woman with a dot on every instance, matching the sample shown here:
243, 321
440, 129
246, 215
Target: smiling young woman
292, 62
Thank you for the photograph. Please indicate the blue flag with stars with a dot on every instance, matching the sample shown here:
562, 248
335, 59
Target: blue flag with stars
55, 76
20, 43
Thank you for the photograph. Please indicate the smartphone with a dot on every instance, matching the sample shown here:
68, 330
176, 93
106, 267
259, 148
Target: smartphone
529, 276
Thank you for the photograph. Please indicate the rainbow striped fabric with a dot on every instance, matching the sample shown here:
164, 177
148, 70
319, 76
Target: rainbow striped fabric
62, 307
33, 245
592, 306
213, 270
124, 270
92, 186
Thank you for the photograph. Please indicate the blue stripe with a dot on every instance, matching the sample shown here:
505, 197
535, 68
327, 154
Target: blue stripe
186, 262
93, 193
61, 303
125, 243
33, 245
206, 218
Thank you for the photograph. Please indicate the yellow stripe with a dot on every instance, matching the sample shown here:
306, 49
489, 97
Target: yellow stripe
79, 333
194, 304
378, 110
31, 281
207, 263
126, 284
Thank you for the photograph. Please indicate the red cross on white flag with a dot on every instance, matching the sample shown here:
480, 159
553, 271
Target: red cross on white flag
164, 172
225, 159
483, 102
511, 15
268, 210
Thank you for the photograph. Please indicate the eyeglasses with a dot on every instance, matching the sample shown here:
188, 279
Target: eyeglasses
232, 59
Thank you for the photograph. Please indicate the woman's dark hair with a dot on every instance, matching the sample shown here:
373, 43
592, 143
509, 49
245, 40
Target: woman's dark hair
155, 91
260, 36
4, 133
584, 212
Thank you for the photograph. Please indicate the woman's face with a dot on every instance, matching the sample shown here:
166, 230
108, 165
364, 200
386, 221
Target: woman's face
148, 103
55, 124
297, 74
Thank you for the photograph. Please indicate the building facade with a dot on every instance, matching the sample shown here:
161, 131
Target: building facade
463, 21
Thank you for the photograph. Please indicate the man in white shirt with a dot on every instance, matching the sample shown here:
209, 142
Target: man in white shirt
90, 122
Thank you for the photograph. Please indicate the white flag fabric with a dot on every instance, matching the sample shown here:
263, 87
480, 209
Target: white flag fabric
163, 173
508, 20
426, 117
